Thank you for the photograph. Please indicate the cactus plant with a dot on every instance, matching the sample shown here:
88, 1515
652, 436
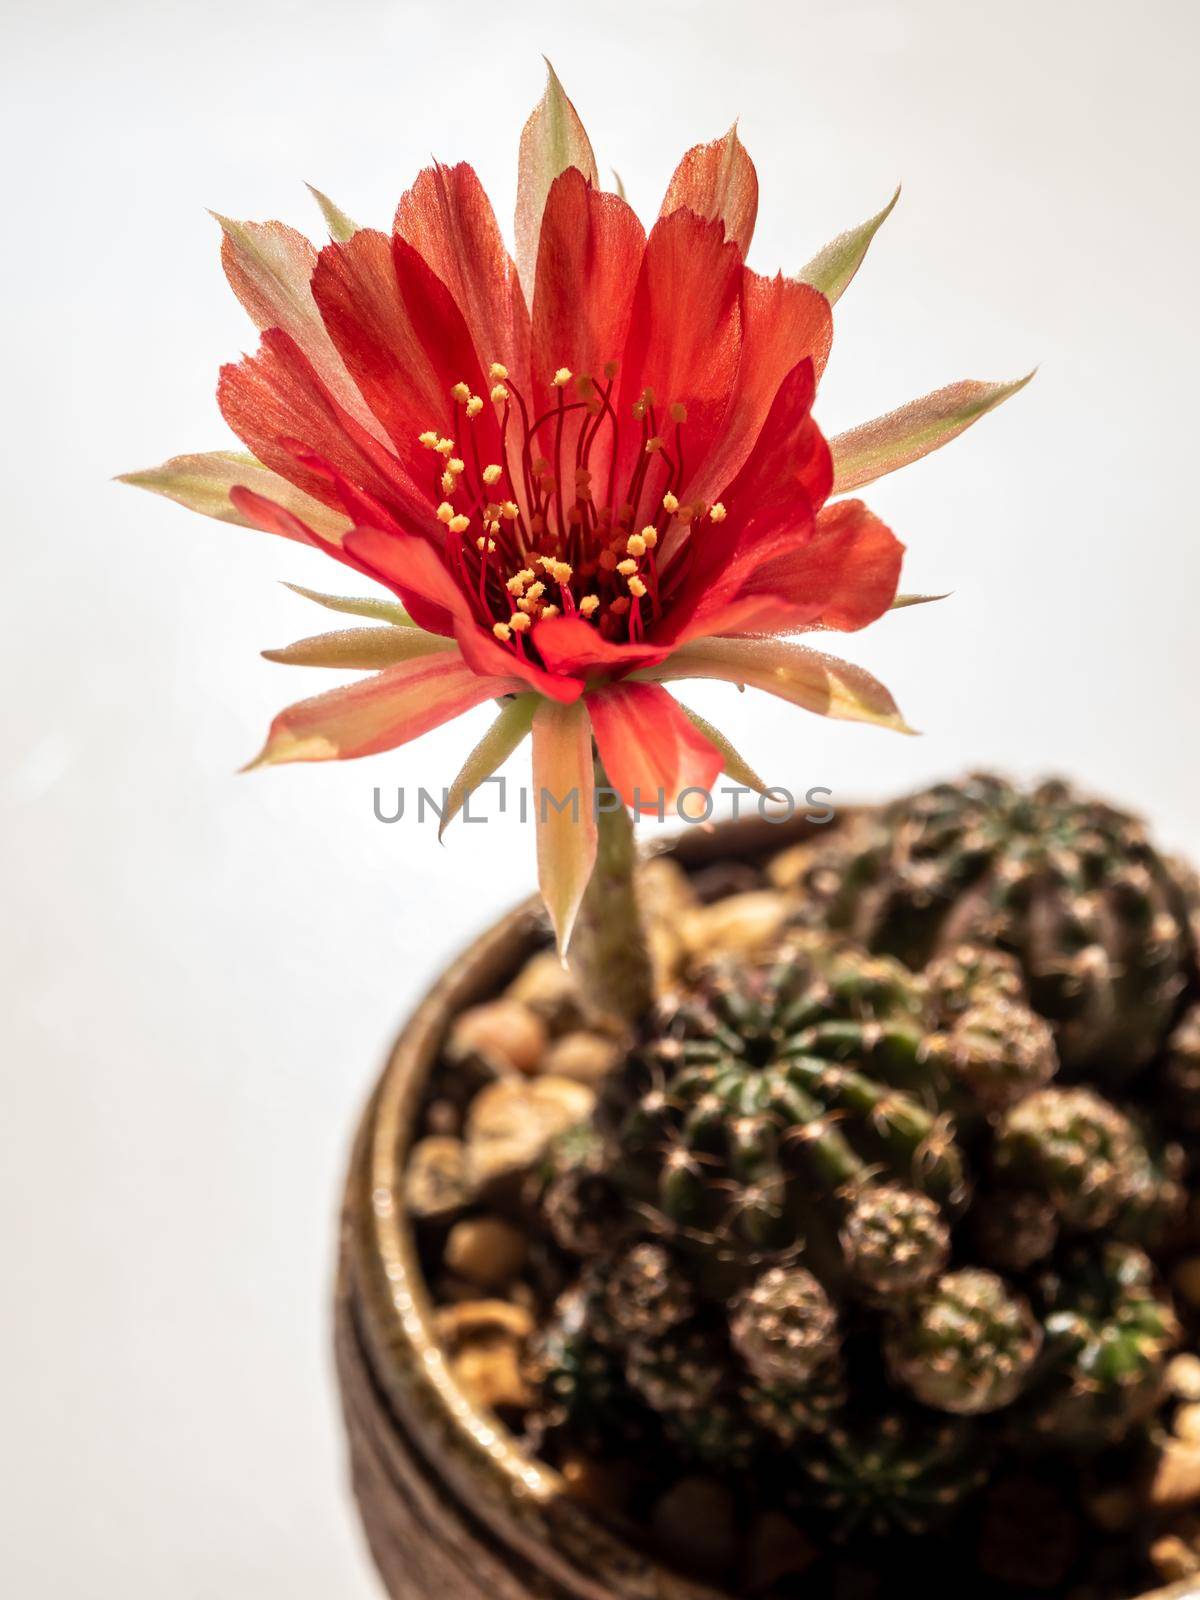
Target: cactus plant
856, 1231
1099, 921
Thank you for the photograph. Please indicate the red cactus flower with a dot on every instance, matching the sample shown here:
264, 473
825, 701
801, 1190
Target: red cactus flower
581, 478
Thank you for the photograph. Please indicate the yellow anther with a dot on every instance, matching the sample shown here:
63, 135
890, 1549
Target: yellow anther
535, 591
528, 606
636, 545
429, 439
493, 527
653, 445
499, 393
444, 447
589, 604
639, 410
627, 568
491, 474
502, 631
563, 572
670, 504
518, 622
474, 406
449, 483
459, 524
516, 584
461, 393
637, 588
549, 611
445, 511
649, 536
509, 511
619, 606
562, 378
485, 546
678, 412
455, 465
497, 371
717, 513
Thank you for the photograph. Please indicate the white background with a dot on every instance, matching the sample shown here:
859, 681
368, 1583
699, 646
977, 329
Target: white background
201, 971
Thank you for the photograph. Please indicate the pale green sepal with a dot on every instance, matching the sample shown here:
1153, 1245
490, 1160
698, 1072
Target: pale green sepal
352, 606
340, 226
493, 750
738, 768
832, 268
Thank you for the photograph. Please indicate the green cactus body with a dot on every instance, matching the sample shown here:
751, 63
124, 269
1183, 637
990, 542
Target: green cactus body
1109, 1333
901, 1473
968, 1345
1069, 886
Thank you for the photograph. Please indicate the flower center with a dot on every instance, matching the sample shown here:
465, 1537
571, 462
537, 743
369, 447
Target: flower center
547, 530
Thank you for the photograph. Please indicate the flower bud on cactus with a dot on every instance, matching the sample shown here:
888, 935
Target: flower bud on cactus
897, 1474
967, 1345
968, 974
784, 1327
1069, 886
894, 1240
1109, 1334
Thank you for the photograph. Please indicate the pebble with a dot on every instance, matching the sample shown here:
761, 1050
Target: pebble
583, 1057
549, 990
1183, 1377
1174, 1558
1176, 1480
1186, 1425
485, 1342
511, 1123
505, 1033
1186, 1281
776, 1548
744, 922
437, 1180
486, 1251
695, 1526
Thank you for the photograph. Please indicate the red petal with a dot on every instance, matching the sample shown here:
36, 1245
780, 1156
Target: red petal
448, 219
569, 644
379, 712
415, 571
269, 267
783, 323
650, 749
276, 395
484, 653
790, 449
587, 270
718, 182
403, 340
865, 556
685, 338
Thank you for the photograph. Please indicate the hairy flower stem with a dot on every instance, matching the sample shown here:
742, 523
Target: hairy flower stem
608, 950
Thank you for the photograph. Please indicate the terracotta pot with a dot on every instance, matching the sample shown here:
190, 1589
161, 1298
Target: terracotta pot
450, 1504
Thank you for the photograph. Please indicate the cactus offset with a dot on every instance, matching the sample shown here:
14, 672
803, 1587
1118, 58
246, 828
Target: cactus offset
1097, 918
